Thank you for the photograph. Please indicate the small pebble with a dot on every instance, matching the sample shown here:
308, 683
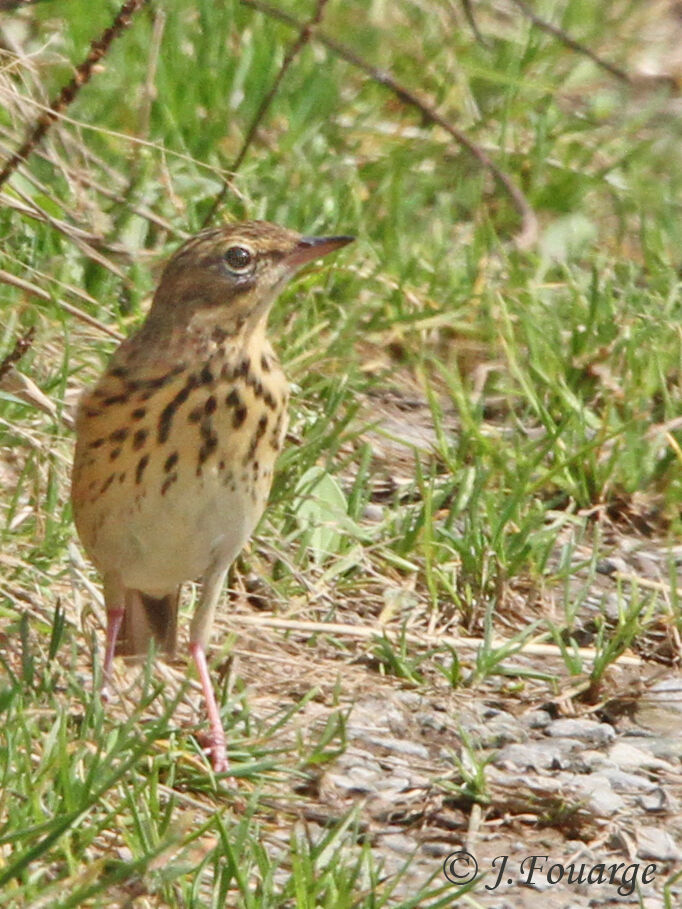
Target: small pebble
398, 746
536, 719
601, 798
554, 755
655, 801
373, 512
429, 721
623, 781
630, 757
585, 730
398, 842
656, 844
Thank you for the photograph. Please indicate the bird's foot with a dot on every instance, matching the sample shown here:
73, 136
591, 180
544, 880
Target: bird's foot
214, 747
213, 741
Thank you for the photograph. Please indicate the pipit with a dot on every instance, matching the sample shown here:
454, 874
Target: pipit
177, 442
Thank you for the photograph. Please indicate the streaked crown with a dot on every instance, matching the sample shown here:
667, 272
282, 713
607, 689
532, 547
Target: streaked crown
239, 268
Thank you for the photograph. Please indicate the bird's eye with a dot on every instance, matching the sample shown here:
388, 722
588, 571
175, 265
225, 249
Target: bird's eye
239, 258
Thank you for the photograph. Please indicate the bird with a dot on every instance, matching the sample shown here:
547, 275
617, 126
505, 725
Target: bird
177, 441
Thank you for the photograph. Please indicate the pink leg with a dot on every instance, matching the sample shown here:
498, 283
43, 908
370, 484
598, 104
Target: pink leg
114, 620
216, 738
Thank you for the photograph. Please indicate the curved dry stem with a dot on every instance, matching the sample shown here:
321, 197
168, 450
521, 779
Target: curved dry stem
303, 38
83, 74
527, 236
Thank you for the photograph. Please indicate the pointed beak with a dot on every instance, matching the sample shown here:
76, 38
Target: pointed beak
309, 248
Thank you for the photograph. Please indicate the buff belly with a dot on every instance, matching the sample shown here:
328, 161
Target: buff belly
154, 543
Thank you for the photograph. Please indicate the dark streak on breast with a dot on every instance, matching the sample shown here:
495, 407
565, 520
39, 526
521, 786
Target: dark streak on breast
168, 412
167, 483
139, 470
107, 483
239, 416
233, 399
210, 442
275, 441
256, 437
115, 399
160, 381
269, 399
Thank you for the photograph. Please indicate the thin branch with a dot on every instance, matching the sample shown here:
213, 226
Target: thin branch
566, 39
536, 646
112, 133
529, 228
21, 345
304, 35
17, 383
473, 25
74, 233
83, 74
80, 238
8, 278
149, 93
7, 6
83, 178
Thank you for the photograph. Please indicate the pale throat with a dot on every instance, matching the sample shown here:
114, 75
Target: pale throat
212, 331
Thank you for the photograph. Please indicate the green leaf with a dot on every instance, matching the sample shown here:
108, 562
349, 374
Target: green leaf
321, 508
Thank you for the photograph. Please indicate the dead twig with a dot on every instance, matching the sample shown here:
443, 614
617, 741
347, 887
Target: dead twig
149, 93
537, 647
566, 39
7, 6
304, 35
21, 345
35, 291
80, 238
86, 151
526, 238
82, 76
473, 25
16, 383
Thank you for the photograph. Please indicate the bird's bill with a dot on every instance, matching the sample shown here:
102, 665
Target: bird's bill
309, 248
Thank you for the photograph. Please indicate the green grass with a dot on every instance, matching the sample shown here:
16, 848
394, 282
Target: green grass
545, 382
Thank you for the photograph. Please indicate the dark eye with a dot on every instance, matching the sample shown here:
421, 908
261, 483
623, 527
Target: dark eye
239, 258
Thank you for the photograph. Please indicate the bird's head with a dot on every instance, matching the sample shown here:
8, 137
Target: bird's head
230, 276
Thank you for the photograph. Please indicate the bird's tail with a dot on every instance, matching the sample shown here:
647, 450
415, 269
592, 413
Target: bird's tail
146, 618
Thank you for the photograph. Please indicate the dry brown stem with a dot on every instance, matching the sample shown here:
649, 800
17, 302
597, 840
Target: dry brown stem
82, 76
527, 236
